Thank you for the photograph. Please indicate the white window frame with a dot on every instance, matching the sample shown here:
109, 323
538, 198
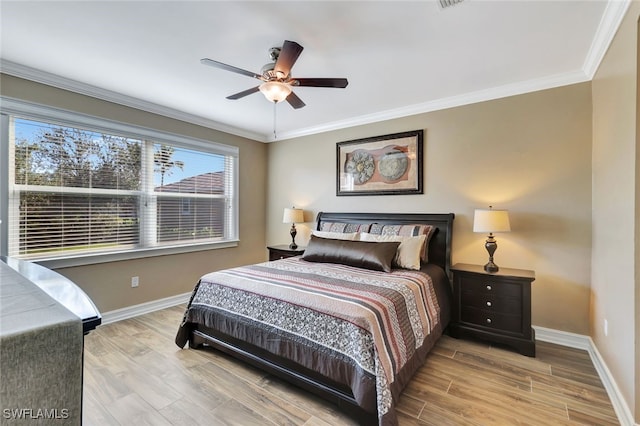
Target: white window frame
15, 107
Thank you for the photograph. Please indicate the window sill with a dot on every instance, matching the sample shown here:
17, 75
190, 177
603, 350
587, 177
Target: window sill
91, 259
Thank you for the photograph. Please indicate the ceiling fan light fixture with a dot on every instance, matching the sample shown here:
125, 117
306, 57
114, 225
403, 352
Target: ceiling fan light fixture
275, 91
276, 76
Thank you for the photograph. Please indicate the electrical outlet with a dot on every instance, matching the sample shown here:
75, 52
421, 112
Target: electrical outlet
135, 281
606, 327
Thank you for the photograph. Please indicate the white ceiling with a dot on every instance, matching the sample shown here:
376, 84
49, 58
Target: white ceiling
400, 57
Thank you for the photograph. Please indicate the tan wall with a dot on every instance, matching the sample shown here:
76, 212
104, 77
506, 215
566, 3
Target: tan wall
616, 222
636, 313
530, 154
109, 284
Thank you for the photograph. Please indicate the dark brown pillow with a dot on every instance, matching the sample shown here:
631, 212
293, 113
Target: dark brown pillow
376, 256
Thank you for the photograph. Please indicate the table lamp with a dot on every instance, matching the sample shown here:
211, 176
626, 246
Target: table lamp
293, 216
491, 221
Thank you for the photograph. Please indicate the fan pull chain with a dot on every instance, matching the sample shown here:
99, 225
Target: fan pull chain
275, 136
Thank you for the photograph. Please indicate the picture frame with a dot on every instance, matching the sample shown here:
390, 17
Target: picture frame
380, 165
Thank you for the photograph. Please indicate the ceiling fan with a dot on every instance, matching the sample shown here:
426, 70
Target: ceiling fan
277, 81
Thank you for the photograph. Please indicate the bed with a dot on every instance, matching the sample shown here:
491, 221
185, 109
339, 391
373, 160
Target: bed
343, 320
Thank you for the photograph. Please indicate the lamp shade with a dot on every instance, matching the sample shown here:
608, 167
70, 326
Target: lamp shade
491, 221
293, 215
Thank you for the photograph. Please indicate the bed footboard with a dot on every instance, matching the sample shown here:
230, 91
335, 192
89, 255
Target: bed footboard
284, 369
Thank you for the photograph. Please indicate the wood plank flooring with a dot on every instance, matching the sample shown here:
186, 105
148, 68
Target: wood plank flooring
136, 375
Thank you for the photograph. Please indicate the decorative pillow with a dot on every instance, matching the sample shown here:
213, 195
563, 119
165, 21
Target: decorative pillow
361, 254
407, 231
344, 227
352, 236
408, 253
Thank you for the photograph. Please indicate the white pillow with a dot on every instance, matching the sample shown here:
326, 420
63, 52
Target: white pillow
351, 236
408, 253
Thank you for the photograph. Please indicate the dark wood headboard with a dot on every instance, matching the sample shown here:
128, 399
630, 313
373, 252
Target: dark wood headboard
440, 245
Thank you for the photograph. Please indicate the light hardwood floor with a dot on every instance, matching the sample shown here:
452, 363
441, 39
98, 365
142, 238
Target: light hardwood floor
136, 375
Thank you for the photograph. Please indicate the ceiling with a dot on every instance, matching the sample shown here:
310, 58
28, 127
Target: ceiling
400, 58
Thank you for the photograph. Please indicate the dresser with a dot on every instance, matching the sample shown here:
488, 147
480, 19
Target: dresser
493, 306
283, 251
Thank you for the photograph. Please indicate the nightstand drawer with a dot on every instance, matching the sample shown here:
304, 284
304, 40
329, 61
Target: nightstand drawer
492, 302
490, 285
491, 319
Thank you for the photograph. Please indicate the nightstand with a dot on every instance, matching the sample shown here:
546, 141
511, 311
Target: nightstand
494, 307
283, 251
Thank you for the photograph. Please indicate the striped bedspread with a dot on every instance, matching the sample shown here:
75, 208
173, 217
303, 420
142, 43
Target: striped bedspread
376, 321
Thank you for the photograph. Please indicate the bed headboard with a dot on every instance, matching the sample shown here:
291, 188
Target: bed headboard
439, 246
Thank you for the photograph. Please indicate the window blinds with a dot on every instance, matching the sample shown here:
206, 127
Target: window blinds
76, 191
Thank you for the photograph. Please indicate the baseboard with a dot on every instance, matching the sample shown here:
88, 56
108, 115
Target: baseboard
619, 404
144, 308
580, 341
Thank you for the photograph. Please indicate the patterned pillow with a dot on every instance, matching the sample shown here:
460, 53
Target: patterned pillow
353, 236
344, 227
407, 231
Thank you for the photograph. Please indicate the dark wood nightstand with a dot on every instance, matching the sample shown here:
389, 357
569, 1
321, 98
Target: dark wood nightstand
283, 251
494, 307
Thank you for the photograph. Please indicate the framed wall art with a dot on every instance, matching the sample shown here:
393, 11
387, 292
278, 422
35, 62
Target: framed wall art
380, 165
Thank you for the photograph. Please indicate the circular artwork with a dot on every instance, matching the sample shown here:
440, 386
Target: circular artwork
393, 164
360, 166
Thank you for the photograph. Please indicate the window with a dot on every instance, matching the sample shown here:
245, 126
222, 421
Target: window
81, 187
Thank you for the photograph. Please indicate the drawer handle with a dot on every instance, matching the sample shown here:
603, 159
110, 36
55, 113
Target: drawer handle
489, 287
488, 320
489, 303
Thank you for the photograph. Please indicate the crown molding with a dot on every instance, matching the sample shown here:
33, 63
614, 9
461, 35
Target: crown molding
38, 76
609, 24
498, 92
21, 71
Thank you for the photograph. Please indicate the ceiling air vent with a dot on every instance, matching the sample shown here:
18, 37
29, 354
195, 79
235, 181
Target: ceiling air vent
447, 3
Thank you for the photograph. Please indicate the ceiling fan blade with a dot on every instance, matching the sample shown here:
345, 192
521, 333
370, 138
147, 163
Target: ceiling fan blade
244, 93
321, 82
288, 56
295, 101
216, 64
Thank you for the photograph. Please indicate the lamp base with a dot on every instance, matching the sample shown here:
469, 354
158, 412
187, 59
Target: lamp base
491, 267
293, 233
491, 247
